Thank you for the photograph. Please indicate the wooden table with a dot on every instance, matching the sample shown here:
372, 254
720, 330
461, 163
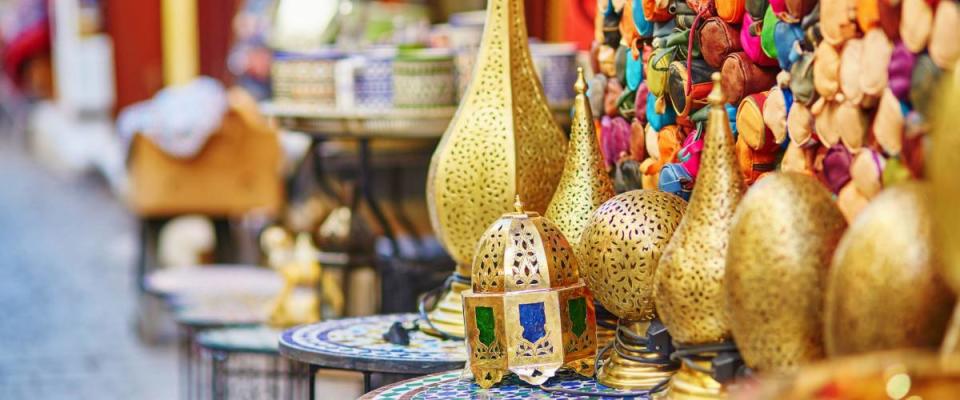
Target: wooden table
357, 344
459, 384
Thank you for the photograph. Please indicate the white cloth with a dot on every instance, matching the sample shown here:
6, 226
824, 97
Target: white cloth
178, 119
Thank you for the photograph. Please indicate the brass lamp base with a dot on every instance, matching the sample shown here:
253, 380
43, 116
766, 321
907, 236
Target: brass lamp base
691, 384
446, 318
619, 371
606, 325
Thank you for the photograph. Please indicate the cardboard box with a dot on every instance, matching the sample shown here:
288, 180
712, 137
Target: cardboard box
237, 171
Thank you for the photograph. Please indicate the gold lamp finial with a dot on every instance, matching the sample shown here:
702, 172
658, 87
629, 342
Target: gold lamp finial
716, 97
581, 85
518, 205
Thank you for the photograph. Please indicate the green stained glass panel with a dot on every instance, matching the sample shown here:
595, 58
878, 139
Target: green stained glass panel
486, 324
577, 310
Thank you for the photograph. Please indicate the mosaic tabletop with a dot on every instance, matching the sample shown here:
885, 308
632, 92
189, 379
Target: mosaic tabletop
251, 339
459, 385
212, 280
357, 344
222, 310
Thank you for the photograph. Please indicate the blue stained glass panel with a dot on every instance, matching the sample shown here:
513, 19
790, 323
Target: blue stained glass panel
533, 320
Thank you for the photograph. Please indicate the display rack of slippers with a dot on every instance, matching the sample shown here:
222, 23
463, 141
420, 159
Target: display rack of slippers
841, 90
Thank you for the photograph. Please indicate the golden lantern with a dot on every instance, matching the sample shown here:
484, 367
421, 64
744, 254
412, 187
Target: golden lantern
689, 278
503, 141
621, 245
942, 166
783, 235
584, 184
887, 250
529, 312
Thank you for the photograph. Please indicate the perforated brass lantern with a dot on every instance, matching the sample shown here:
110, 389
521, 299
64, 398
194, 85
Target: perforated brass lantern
529, 312
621, 245
689, 279
784, 234
503, 141
584, 184
887, 250
942, 167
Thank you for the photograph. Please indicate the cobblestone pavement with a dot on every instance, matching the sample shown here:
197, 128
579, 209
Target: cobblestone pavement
67, 296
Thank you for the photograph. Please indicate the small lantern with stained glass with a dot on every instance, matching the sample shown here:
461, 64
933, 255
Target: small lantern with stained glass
529, 312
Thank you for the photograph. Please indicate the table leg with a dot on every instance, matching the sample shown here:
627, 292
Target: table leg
185, 361
366, 382
218, 386
364, 183
312, 381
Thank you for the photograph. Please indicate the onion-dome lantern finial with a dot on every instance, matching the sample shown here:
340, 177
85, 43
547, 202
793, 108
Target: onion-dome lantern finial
529, 312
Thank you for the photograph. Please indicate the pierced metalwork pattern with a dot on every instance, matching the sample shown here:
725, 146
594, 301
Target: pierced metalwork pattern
782, 239
503, 140
559, 254
689, 280
487, 274
523, 251
621, 245
525, 258
584, 185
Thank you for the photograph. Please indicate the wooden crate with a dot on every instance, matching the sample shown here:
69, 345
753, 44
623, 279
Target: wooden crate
237, 171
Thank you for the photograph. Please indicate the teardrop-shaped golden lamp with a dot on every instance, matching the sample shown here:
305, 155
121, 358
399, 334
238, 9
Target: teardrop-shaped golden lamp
584, 184
620, 245
942, 166
689, 278
502, 141
783, 235
688, 282
887, 250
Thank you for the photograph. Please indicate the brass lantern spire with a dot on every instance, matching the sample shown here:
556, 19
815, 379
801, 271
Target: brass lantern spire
689, 277
584, 185
503, 141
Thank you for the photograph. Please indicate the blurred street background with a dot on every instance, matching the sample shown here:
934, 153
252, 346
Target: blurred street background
67, 297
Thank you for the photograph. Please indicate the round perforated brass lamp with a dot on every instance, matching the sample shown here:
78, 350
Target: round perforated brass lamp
502, 142
620, 247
